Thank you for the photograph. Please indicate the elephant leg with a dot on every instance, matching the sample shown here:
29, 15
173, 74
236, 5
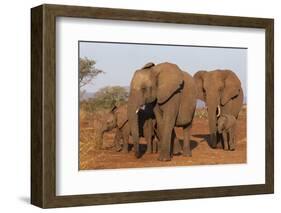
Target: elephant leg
158, 131
225, 140
186, 141
156, 141
125, 148
154, 147
148, 135
117, 140
169, 118
149, 146
125, 134
176, 144
220, 140
213, 140
231, 140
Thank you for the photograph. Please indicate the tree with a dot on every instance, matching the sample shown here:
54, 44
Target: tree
87, 71
109, 96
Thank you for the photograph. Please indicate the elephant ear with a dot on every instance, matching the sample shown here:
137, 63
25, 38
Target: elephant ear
121, 116
232, 86
169, 80
199, 80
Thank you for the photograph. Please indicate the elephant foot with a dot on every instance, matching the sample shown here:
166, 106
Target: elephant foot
186, 154
231, 148
213, 140
137, 155
118, 149
214, 145
149, 151
164, 158
178, 152
177, 148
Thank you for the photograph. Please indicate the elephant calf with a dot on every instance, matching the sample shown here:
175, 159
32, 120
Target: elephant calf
226, 127
221, 91
117, 118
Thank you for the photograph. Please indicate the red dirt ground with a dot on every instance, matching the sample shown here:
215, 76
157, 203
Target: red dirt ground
202, 154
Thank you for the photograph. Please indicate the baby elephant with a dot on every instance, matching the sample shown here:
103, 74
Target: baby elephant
117, 118
226, 127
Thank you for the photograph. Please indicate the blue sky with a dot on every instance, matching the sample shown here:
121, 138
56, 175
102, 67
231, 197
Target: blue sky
120, 60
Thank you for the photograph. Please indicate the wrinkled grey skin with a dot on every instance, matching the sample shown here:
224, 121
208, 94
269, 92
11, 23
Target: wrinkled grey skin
221, 91
172, 94
117, 118
226, 127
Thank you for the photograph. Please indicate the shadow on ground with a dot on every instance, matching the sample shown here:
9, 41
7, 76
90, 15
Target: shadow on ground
206, 138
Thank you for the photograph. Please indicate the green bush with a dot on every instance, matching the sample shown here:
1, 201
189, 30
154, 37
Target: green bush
105, 98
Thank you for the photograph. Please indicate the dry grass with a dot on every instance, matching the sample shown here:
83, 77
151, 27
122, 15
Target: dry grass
201, 113
90, 124
90, 135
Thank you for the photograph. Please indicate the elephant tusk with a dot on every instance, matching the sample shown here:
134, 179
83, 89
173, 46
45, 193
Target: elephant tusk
219, 111
142, 107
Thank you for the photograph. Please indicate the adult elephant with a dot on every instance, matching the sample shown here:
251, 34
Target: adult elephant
222, 92
173, 93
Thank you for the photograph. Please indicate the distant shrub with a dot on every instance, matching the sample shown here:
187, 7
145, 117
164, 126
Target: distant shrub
105, 98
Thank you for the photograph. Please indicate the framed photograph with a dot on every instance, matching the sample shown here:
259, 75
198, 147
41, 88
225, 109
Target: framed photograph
137, 106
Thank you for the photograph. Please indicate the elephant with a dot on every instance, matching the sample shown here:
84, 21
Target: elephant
226, 127
172, 94
222, 92
117, 118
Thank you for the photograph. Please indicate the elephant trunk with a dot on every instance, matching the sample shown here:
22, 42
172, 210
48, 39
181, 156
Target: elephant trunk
134, 105
213, 113
135, 134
